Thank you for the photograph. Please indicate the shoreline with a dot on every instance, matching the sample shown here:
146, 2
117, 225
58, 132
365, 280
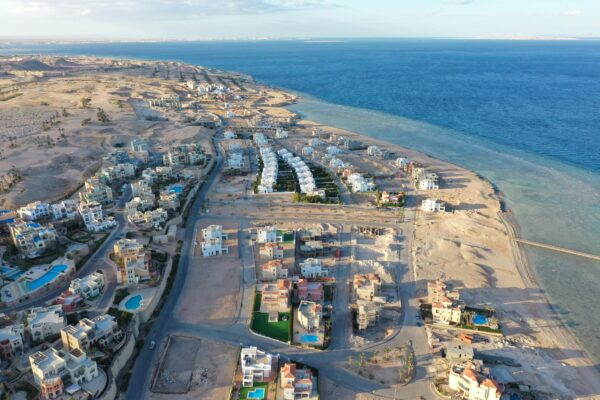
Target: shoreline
564, 339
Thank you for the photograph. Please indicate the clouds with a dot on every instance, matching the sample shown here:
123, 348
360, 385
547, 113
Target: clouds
573, 12
158, 7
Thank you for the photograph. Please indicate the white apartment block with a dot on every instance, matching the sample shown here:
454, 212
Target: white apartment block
43, 322
142, 187
313, 268
101, 330
88, 286
34, 211
54, 363
268, 234
427, 184
213, 241
143, 202
281, 134
66, 209
117, 172
95, 191
149, 219
256, 365
11, 340
93, 217
32, 239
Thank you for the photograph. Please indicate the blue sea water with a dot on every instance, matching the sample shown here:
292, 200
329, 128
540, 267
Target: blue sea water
525, 114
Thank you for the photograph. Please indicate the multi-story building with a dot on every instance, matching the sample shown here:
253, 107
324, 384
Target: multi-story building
268, 234
272, 251
446, 306
310, 315
433, 205
367, 314
117, 172
96, 191
51, 364
34, 211
313, 268
32, 239
132, 261
43, 322
88, 286
168, 200
275, 296
142, 188
257, 366
213, 241
272, 270
312, 291
11, 340
149, 219
144, 202
66, 209
366, 286
472, 384
295, 383
101, 330
93, 217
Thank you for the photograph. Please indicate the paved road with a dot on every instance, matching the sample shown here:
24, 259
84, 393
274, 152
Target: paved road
140, 378
96, 262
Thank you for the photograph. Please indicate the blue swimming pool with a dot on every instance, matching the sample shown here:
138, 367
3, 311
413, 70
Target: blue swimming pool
308, 338
48, 277
258, 393
134, 302
480, 320
176, 188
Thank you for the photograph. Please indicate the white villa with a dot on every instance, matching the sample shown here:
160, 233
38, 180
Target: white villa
268, 235
313, 268
52, 363
34, 211
11, 340
93, 217
213, 241
428, 184
43, 322
88, 286
117, 172
65, 209
257, 366
310, 315
281, 134
433, 205
101, 330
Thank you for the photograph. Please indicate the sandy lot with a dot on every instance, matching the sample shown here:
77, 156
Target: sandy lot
215, 281
211, 369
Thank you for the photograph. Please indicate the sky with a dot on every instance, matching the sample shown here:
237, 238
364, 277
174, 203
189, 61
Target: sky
257, 19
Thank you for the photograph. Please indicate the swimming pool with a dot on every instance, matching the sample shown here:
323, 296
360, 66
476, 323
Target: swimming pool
176, 188
48, 277
480, 320
258, 393
134, 302
306, 338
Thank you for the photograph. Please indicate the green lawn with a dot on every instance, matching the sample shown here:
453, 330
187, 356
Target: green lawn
245, 390
277, 330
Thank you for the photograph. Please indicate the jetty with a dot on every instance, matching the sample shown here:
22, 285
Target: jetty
556, 248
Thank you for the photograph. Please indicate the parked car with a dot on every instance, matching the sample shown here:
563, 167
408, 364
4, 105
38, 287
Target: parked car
152, 345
